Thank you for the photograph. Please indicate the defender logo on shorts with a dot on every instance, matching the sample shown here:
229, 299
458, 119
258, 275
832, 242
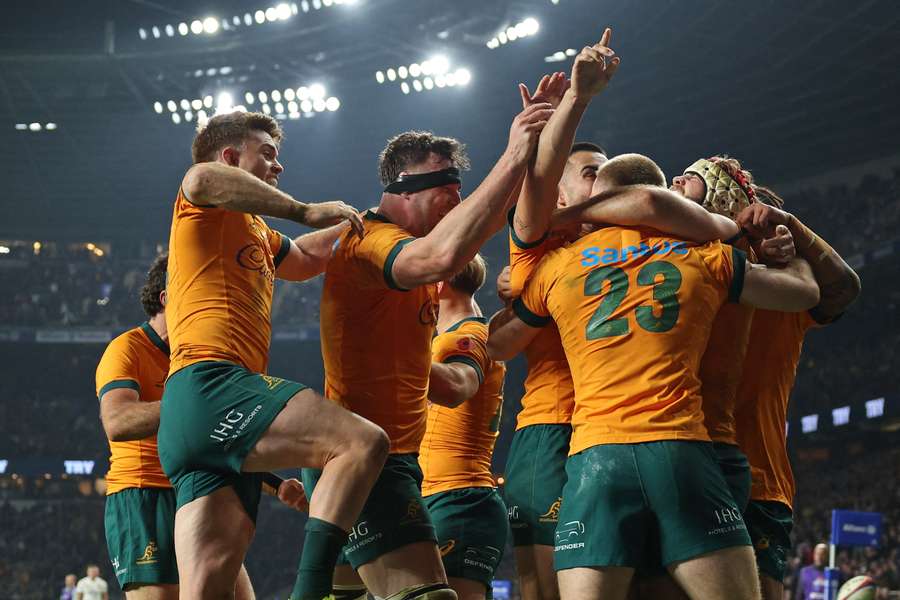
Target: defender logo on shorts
552, 514
567, 536
272, 382
149, 556
448, 548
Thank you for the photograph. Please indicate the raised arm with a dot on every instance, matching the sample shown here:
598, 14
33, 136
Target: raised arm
650, 206
451, 384
125, 417
839, 284
456, 239
309, 253
509, 335
590, 76
214, 184
789, 289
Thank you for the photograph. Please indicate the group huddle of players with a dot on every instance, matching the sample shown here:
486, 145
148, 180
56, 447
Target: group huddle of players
649, 456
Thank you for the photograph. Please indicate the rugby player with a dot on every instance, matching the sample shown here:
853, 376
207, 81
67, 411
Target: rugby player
223, 421
378, 315
140, 503
776, 340
636, 308
465, 402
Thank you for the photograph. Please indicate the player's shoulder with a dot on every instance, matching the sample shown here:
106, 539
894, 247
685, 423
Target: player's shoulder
130, 340
477, 326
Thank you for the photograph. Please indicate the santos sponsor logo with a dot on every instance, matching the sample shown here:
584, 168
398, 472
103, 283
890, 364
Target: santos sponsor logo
595, 255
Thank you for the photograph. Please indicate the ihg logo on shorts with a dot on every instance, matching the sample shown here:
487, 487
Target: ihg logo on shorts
228, 428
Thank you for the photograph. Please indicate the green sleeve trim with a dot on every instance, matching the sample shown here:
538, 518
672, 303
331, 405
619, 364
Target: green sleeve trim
466, 360
374, 216
389, 264
154, 338
528, 317
457, 325
183, 195
739, 258
121, 383
515, 239
283, 250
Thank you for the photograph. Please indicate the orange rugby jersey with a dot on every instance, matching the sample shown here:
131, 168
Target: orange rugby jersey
459, 442
634, 312
722, 366
138, 360
776, 340
221, 275
549, 392
376, 337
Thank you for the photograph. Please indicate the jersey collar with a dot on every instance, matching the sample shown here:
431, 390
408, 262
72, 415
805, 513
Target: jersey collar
154, 337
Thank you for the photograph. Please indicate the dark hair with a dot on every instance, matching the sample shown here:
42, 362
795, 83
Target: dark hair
472, 277
586, 147
767, 196
156, 283
632, 169
231, 129
414, 147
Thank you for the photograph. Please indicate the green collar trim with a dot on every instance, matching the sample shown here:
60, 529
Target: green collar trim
457, 325
154, 337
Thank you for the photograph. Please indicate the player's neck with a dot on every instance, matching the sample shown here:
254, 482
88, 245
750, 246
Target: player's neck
158, 324
394, 208
454, 308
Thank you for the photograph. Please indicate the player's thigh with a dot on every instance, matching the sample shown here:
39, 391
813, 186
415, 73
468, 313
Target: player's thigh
212, 534
771, 589
243, 587
156, 591
727, 574
548, 584
595, 583
658, 587
529, 586
414, 564
467, 589
308, 431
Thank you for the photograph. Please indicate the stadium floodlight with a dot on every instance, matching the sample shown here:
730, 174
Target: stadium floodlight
415, 70
391, 74
306, 106
176, 118
294, 115
34, 127
317, 90
4, 249
156, 32
275, 96
208, 101
249, 98
185, 104
417, 85
402, 72
188, 116
326, 2
289, 94
279, 107
463, 76
304, 5
197, 26
171, 106
263, 97
379, 76
317, 4
271, 14
283, 11
319, 105
22, 126
142, 33
50, 126
440, 81
224, 103
267, 109
294, 8
236, 20
428, 83
293, 107
202, 117
158, 107
332, 104
525, 28
248, 19
183, 28
439, 64
260, 16
875, 408
840, 416
809, 423
302, 92
196, 103
170, 31
404, 87
210, 24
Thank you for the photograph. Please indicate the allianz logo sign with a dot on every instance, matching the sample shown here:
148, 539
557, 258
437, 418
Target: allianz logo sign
851, 528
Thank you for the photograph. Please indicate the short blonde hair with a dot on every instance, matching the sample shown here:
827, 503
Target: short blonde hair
631, 169
471, 278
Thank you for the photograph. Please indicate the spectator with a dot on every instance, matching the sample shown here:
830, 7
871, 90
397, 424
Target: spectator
68, 591
92, 587
811, 582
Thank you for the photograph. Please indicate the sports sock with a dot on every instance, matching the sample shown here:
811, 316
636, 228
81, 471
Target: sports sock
321, 548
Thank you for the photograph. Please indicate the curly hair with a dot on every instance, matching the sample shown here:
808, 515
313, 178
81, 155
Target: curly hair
155, 284
231, 129
414, 147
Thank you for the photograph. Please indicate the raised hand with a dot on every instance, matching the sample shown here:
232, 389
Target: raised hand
760, 219
779, 249
326, 214
550, 89
525, 130
591, 72
504, 286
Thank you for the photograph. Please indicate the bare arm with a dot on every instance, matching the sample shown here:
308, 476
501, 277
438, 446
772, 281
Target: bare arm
790, 289
216, 185
458, 236
509, 335
650, 206
309, 253
125, 417
839, 284
451, 384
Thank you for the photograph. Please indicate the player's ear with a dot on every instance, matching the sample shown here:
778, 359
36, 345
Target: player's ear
231, 156
162, 298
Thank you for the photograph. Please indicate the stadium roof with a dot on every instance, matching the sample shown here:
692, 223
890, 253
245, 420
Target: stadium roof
791, 88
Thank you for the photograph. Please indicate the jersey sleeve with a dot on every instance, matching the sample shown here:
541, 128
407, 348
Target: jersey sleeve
523, 257
279, 244
118, 368
531, 307
376, 253
726, 266
466, 345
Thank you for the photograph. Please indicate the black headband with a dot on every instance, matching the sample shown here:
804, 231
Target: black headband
417, 182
